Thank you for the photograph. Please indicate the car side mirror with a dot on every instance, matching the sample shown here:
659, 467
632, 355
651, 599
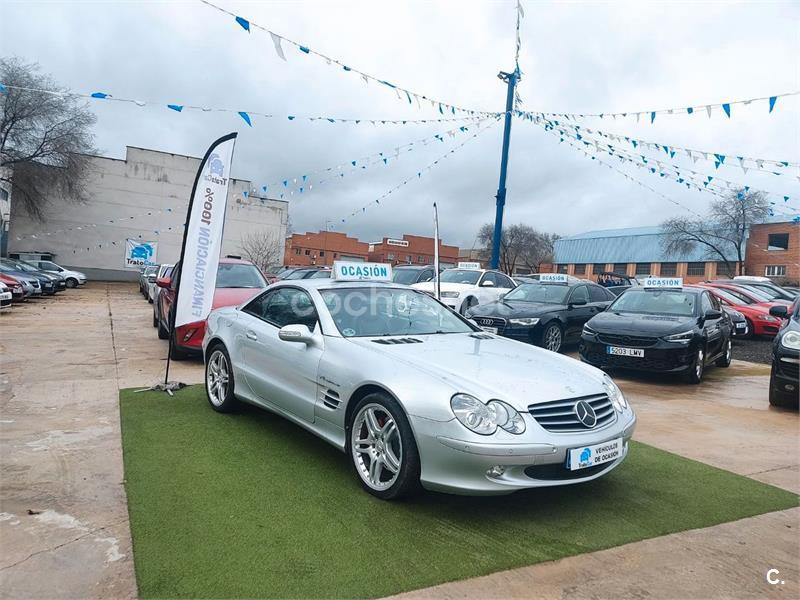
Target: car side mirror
779, 310
487, 284
713, 314
296, 333
163, 282
579, 302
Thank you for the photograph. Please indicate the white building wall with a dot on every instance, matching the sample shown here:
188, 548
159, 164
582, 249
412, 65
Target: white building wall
144, 197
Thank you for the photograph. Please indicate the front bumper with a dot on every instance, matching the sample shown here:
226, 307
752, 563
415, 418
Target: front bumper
740, 329
189, 337
786, 372
662, 357
5, 299
456, 461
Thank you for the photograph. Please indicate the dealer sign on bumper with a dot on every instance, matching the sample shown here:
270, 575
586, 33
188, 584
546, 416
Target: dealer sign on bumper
591, 456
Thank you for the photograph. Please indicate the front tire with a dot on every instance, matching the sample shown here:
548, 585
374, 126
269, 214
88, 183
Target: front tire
163, 334
72, 283
219, 380
724, 361
695, 372
552, 337
382, 448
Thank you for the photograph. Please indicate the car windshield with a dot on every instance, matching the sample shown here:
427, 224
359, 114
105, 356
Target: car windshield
150, 270
299, 274
321, 274
731, 297
467, 276
21, 266
405, 276
762, 294
537, 292
368, 312
236, 275
656, 302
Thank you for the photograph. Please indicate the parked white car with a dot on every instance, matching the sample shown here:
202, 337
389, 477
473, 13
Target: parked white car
152, 289
5, 296
72, 278
465, 288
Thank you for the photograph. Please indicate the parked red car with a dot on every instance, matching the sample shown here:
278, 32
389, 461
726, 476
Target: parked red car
237, 281
14, 286
759, 321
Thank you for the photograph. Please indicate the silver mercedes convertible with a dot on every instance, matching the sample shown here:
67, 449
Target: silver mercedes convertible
412, 392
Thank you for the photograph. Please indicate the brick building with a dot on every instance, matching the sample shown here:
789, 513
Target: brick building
322, 248
773, 250
412, 249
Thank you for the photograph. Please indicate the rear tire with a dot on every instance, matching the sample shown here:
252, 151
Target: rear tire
382, 448
695, 372
219, 380
724, 361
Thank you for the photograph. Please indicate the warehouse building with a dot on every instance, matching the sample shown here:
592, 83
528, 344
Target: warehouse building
322, 248
772, 250
412, 249
137, 206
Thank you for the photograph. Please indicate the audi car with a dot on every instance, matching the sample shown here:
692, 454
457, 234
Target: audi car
545, 314
414, 394
679, 330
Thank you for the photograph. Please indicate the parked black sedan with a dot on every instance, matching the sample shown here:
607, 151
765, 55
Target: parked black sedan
673, 330
545, 314
784, 381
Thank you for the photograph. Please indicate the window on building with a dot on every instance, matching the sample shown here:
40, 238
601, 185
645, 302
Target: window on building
408, 258
580, 269
297, 251
598, 268
775, 271
421, 259
696, 268
390, 256
335, 255
562, 268
322, 252
621, 268
308, 252
643, 268
723, 269
669, 269
778, 241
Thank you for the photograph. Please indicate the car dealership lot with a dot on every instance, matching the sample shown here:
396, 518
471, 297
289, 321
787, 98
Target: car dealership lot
63, 364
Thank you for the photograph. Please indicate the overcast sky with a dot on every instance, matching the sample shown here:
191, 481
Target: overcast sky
576, 57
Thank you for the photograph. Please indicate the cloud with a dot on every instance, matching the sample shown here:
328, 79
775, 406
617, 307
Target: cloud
576, 57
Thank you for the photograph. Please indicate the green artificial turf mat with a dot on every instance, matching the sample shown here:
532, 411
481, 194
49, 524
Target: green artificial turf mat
250, 505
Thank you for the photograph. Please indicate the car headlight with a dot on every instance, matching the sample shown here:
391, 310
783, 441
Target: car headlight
681, 338
614, 394
791, 340
530, 321
769, 319
450, 294
589, 331
484, 419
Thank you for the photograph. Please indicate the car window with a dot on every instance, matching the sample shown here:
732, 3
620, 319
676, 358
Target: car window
579, 294
714, 301
502, 281
426, 275
488, 276
705, 303
599, 294
284, 306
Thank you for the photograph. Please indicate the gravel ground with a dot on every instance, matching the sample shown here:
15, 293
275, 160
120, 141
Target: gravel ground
758, 350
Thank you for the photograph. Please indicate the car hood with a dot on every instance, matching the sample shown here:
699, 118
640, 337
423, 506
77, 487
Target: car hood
622, 323
233, 296
428, 286
492, 367
515, 309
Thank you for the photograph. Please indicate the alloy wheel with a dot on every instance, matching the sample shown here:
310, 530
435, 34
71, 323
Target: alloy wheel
376, 447
217, 378
552, 338
698, 365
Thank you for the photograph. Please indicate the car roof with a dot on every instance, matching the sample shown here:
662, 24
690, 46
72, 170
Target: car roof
686, 288
332, 284
227, 260
415, 267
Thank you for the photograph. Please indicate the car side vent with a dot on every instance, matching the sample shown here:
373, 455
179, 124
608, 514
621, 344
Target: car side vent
330, 398
395, 341
481, 336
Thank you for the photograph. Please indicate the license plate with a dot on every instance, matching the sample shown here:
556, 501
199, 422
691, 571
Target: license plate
489, 329
617, 351
591, 456
741, 325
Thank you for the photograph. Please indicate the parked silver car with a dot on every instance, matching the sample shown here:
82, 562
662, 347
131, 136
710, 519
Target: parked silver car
414, 393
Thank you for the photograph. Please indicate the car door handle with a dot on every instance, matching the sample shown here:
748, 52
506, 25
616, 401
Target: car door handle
251, 335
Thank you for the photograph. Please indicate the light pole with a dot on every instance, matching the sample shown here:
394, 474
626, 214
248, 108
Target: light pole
511, 80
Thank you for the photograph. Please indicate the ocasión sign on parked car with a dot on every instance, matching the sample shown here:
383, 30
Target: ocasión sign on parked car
413, 393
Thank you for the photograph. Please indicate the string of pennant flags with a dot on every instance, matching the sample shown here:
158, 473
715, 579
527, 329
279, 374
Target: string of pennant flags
248, 116
746, 163
670, 172
416, 176
305, 181
691, 179
726, 107
402, 93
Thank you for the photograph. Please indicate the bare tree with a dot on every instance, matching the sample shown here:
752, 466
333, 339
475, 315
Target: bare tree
44, 138
519, 245
723, 233
262, 248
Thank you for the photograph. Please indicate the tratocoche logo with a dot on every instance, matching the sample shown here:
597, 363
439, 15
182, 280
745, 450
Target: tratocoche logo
216, 169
